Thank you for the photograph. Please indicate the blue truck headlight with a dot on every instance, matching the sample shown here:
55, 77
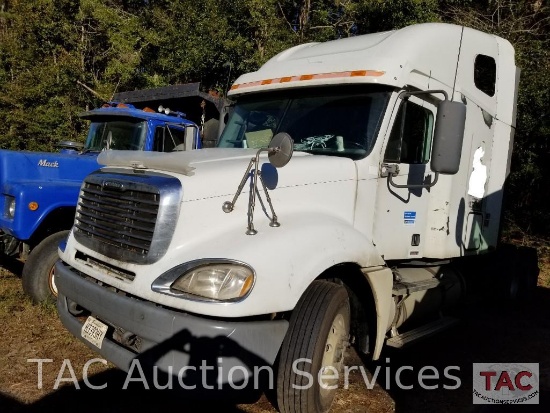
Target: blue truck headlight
10, 207
224, 281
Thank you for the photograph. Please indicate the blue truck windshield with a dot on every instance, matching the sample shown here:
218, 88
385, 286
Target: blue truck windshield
331, 121
116, 134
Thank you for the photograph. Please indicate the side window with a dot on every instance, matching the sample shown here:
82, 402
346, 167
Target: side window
158, 144
168, 139
411, 136
485, 74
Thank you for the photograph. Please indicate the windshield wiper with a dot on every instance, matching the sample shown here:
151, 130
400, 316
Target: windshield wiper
90, 150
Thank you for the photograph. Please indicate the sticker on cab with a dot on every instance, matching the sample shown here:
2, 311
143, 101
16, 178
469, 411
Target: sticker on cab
409, 217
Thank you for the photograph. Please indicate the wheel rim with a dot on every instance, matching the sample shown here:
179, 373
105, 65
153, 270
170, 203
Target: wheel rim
51, 281
333, 356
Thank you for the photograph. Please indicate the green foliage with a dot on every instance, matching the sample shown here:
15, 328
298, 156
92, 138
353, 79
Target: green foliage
381, 15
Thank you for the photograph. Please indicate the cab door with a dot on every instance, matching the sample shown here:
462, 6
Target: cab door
401, 212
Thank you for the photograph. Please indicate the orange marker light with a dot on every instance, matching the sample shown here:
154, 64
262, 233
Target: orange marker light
247, 285
315, 76
33, 206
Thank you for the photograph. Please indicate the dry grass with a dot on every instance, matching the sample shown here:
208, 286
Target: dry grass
32, 332
544, 265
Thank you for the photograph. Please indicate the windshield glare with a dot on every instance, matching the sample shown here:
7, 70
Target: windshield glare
330, 121
116, 134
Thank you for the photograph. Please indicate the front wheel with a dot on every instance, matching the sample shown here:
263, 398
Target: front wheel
313, 351
38, 275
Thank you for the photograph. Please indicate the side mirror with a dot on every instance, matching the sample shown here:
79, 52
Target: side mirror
280, 149
225, 113
448, 137
70, 146
191, 132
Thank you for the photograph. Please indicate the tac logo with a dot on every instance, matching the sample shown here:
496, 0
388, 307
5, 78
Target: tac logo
506, 383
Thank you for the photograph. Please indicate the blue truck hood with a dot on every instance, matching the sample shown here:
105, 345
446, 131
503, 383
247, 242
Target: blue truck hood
51, 180
23, 166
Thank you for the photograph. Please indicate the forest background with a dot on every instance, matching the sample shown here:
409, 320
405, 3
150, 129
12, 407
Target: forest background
53, 52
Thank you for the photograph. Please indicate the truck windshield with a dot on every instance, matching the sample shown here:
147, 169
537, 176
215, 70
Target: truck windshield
341, 121
127, 134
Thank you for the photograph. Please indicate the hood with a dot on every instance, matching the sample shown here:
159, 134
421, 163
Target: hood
214, 172
18, 166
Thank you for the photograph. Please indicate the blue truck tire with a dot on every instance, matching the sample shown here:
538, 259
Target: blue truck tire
38, 276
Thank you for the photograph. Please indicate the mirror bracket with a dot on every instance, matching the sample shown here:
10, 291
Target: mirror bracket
279, 153
414, 186
391, 170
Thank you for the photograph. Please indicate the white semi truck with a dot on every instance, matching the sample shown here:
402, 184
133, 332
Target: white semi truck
370, 168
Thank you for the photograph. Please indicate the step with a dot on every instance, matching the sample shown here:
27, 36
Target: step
404, 287
402, 340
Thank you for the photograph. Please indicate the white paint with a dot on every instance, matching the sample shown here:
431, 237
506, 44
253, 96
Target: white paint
476, 185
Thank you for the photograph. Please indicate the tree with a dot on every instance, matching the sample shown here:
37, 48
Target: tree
46, 46
380, 15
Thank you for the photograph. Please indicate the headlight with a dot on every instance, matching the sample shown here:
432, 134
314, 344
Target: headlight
10, 207
224, 281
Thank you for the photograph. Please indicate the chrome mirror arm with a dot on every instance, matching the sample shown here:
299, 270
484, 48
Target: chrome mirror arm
391, 170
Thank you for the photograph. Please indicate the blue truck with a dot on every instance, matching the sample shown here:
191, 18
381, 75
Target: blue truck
40, 189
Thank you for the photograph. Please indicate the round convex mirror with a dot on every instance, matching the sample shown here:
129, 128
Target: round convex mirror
280, 149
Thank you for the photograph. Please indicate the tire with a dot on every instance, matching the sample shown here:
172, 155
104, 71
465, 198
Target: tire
319, 332
38, 272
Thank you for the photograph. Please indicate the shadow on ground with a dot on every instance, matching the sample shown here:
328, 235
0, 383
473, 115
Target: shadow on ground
11, 264
489, 332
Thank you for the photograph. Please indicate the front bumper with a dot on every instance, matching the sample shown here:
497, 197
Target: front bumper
200, 350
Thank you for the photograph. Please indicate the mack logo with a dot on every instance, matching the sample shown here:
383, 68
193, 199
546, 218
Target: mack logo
113, 185
44, 162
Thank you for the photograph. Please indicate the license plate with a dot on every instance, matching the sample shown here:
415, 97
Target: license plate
94, 331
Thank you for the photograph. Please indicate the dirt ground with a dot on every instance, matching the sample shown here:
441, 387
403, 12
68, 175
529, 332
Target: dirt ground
487, 332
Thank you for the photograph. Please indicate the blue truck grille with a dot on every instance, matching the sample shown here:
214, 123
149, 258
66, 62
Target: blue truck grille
121, 219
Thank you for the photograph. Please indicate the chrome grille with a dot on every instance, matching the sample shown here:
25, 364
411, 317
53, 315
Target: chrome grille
122, 219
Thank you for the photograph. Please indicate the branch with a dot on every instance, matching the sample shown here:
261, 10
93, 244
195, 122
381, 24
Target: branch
89, 89
114, 91
286, 20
